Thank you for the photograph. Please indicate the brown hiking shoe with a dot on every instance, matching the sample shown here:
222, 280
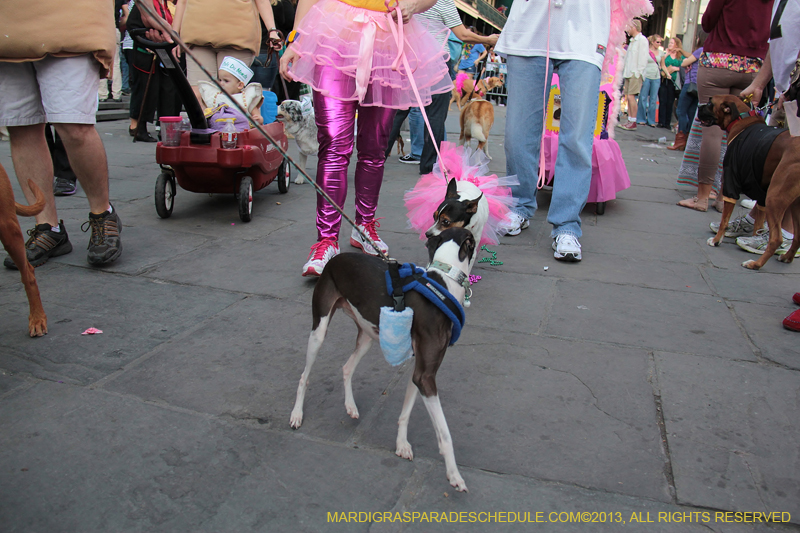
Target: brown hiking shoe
43, 244
105, 245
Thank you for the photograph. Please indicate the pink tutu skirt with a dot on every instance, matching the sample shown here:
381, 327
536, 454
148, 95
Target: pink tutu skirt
465, 165
361, 46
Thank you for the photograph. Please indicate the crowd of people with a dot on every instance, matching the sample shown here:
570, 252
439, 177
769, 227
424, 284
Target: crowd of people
347, 52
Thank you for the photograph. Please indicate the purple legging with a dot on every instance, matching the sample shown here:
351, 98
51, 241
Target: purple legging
335, 122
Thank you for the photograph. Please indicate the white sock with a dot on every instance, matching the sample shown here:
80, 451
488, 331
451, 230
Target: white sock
56, 228
786, 235
750, 219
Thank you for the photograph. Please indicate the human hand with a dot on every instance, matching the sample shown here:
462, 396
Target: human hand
754, 92
276, 43
407, 8
257, 117
491, 40
781, 100
288, 57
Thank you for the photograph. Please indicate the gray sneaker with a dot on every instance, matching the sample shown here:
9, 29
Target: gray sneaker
757, 244
64, 186
514, 224
567, 248
737, 227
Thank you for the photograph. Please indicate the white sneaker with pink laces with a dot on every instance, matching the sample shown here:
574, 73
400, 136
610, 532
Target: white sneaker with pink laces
321, 253
369, 228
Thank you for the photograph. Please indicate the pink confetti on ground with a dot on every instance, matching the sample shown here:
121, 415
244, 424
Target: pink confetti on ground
92, 331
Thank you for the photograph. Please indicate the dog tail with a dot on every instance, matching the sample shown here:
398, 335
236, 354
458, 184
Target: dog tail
35, 209
477, 132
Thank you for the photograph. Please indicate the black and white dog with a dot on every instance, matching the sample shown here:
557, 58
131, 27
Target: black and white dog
464, 206
304, 129
356, 283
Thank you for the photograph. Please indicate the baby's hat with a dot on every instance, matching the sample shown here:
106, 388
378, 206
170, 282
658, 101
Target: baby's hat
237, 68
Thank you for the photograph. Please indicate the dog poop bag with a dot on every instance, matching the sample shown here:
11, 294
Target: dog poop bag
395, 334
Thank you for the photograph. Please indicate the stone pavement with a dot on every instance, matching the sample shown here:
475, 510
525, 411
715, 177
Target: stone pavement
653, 380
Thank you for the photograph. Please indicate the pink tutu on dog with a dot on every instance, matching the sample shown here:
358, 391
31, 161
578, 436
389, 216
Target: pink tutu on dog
363, 45
464, 165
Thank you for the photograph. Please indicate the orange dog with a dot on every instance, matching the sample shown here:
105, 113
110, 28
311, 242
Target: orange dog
470, 90
476, 121
11, 237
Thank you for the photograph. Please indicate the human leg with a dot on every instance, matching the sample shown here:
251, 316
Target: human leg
526, 84
116, 76
397, 123
652, 104
335, 121
644, 100
437, 113
712, 82
573, 169
416, 127
374, 124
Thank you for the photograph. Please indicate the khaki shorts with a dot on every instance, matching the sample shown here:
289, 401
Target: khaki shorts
633, 85
59, 90
211, 59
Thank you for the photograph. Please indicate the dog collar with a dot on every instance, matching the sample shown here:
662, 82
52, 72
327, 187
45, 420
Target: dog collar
451, 272
751, 113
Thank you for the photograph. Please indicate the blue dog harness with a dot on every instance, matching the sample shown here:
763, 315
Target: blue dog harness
410, 277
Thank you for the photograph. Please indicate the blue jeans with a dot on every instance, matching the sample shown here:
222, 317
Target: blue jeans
648, 102
123, 68
416, 128
687, 107
580, 86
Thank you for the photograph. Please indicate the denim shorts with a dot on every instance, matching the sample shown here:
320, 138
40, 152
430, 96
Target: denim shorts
471, 70
59, 90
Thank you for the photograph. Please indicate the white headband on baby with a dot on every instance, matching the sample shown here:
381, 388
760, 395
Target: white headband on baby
237, 68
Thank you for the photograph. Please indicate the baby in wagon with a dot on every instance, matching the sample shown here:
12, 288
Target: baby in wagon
233, 76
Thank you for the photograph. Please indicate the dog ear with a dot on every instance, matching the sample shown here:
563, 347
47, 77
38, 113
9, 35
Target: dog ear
472, 205
467, 247
452, 189
432, 244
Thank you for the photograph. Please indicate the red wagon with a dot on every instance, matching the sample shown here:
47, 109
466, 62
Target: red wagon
200, 164
209, 168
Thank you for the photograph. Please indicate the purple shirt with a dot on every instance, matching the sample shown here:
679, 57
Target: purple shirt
691, 76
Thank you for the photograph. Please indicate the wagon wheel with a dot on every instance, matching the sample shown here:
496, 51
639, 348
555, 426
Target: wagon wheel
284, 176
246, 199
165, 194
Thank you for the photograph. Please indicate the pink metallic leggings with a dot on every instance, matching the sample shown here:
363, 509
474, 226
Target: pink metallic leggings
335, 122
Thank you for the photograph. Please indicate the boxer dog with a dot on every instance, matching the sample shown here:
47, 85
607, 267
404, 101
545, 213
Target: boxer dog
476, 120
11, 237
778, 188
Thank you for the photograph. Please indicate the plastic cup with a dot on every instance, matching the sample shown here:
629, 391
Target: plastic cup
171, 131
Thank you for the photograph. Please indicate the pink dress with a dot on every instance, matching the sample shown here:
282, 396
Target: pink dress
362, 45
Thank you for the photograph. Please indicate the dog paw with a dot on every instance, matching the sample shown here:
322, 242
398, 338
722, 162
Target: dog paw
37, 327
458, 482
299, 180
711, 242
296, 419
352, 410
404, 451
752, 265
786, 258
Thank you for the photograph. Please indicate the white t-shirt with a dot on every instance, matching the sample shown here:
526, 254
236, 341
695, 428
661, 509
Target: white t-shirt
578, 30
783, 50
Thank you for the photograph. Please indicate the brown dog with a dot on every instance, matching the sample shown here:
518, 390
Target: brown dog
470, 90
779, 188
11, 236
401, 146
476, 121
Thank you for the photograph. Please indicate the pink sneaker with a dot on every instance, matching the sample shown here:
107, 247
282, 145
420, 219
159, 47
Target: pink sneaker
630, 126
320, 254
369, 228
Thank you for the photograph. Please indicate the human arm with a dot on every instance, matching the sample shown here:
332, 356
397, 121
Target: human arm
480, 57
471, 37
756, 88
123, 19
712, 14
264, 8
408, 8
688, 61
155, 33
289, 55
